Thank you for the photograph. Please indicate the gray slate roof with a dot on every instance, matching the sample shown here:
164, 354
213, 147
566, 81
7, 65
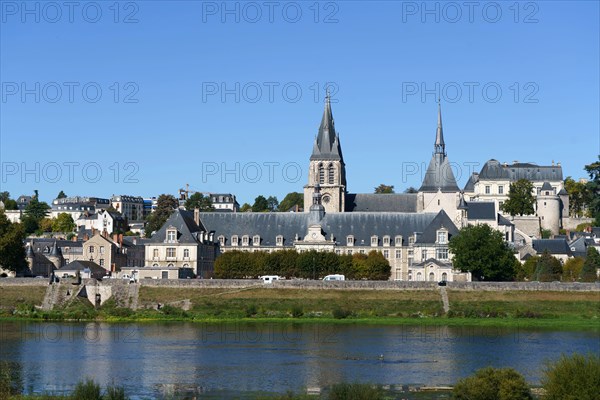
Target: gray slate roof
441, 220
494, 170
405, 202
360, 224
327, 144
579, 247
183, 221
481, 210
554, 246
547, 186
439, 175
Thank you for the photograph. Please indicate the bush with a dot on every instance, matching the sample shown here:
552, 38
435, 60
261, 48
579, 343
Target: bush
297, 312
251, 310
492, 383
573, 378
115, 393
87, 391
340, 313
355, 391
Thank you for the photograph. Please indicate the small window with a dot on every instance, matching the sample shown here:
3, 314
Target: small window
411, 240
245, 240
279, 240
331, 172
256, 240
386, 253
186, 253
398, 241
374, 240
91, 249
442, 237
423, 254
222, 240
102, 262
488, 189
349, 252
155, 253
170, 252
386, 240
171, 234
445, 275
350, 241
398, 254
321, 174
500, 189
101, 249
234, 240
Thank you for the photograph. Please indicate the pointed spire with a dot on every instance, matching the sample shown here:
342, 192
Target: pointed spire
54, 251
440, 146
327, 145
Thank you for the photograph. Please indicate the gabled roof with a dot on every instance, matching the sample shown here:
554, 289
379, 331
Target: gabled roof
431, 261
470, 185
503, 220
80, 265
183, 221
441, 220
439, 175
405, 202
547, 186
553, 246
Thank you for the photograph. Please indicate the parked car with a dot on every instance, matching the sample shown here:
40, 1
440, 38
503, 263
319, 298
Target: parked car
335, 277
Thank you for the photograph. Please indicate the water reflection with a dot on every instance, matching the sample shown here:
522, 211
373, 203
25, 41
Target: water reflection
152, 358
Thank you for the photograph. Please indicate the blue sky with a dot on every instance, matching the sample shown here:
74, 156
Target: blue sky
143, 97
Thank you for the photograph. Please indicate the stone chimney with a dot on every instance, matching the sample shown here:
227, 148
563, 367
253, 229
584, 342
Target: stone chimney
197, 216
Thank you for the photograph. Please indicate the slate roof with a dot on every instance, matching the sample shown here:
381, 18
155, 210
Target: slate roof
439, 175
441, 220
547, 186
183, 221
470, 185
405, 202
360, 224
327, 144
503, 220
579, 247
431, 260
554, 246
45, 245
494, 170
80, 265
481, 210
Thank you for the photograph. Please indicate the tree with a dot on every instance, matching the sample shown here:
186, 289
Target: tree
482, 251
291, 200
520, 198
572, 269
378, 267
45, 224
272, 203
4, 196
579, 197
198, 200
260, 204
36, 209
12, 252
593, 187
526, 271
411, 189
61, 195
572, 378
10, 204
165, 205
63, 223
492, 383
245, 207
548, 268
590, 266
384, 189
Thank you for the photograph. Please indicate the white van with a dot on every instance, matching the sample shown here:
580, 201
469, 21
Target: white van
335, 278
270, 278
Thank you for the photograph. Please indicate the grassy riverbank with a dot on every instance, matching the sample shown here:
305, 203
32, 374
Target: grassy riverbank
539, 309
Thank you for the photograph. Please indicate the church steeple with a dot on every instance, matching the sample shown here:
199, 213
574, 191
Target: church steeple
440, 146
327, 144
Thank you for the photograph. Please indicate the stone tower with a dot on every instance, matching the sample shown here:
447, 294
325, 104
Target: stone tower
327, 168
439, 190
548, 208
55, 256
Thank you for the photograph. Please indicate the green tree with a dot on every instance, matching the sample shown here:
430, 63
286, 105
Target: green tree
572, 378
245, 207
290, 200
4, 196
378, 267
384, 189
45, 224
572, 269
526, 271
520, 198
61, 195
548, 268
411, 189
165, 205
198, 200
260, 204
579, 197
272, 203
590, 266
36, 209
492, 383
482, 251
12, 251
593, 187
30, 224
10, 204
63, 223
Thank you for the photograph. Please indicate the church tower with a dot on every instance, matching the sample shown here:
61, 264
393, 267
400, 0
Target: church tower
327, 170
439, 190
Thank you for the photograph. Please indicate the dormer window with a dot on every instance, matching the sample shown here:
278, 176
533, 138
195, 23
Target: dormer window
386, 240
171, 235
222, 240
256, 240
398, 241
234, 240
245, 240
279, 240
374, 240
350, 240
411, 240
442, 236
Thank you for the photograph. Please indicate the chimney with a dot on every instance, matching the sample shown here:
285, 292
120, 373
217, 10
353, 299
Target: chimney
197, 216
121, 239
115, 238
86, 237
93, 231
74, 238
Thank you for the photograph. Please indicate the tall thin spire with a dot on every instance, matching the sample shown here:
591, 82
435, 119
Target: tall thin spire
440, 146
327, 144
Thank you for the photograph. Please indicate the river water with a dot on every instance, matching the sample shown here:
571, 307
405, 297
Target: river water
154, 359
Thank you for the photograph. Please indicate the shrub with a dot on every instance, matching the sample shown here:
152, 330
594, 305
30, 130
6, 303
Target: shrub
87, 391
115, 393
297, 312
572, 378
340, 313
492, 383
251, 310
355, 391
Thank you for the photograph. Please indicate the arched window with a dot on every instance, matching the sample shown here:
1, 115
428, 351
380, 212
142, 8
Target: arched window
321, 173
331, 171
419, 276
186, 252
171, 265
444, 276
431, 276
